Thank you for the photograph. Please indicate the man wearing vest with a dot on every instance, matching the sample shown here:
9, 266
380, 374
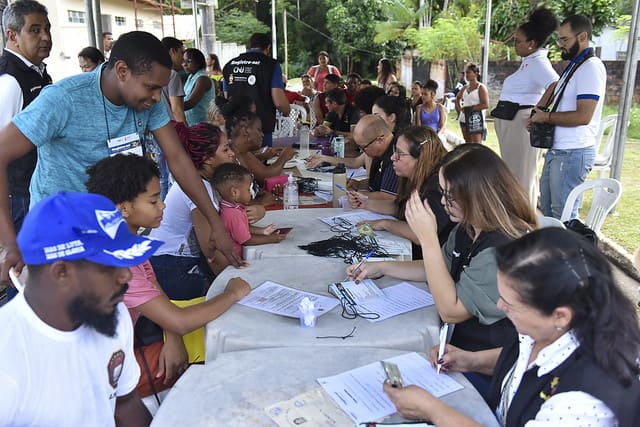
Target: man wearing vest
22, 76
576, 119
257, 75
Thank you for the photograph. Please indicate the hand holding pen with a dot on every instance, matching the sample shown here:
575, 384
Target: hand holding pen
444, 331
353, 271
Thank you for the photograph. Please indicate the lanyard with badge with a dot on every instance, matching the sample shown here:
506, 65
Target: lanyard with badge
127, 144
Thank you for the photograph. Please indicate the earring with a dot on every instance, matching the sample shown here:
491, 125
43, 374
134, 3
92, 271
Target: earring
530, 48
559, 328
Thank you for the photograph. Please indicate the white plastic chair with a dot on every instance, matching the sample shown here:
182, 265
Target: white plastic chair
604, 153
549, 221
287, 125
606, 193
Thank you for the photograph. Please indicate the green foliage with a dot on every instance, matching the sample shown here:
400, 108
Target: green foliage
235, 26
402, 17
450, 38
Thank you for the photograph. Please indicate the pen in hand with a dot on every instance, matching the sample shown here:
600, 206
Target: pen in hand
354, 272
444, 330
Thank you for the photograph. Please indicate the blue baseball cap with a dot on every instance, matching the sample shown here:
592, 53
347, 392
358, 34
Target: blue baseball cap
75, 226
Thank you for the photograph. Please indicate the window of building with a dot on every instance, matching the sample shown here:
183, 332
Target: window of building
76, 16
121, 21
157, 25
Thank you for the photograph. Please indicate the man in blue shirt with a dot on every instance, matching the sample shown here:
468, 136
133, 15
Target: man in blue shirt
258, 76
88, 117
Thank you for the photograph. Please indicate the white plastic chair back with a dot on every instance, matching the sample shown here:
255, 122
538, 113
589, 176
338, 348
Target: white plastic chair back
606, 193
286, 125
302, 112
313, 120
604, 147
549, 221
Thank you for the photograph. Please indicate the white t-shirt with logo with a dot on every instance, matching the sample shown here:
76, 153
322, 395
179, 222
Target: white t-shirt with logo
588, 82
50, 377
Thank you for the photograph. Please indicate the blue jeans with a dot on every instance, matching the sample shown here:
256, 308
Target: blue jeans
182, 278
563, 171
154, 152
19, 206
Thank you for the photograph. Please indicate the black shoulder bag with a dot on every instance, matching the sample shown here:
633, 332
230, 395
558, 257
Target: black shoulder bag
541, 134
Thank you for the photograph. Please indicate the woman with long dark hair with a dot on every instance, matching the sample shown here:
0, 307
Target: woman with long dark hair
386, 74
575, 361
199, 90
473, 97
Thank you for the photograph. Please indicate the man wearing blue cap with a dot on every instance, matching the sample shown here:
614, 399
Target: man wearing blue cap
66, 351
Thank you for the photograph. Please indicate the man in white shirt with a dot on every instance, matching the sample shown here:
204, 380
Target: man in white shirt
107, 42
576, 119
22, 77
66, 354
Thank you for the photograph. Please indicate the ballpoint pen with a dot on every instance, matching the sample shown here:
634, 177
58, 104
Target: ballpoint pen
362, 261
444, 330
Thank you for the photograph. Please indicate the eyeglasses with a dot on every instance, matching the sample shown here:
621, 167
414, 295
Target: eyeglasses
562, 41
399, 154
362, 148
448, 196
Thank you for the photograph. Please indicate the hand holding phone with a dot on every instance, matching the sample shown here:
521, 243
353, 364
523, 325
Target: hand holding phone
393, 374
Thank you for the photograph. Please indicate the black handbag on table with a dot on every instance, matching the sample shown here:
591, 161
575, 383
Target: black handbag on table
541, 134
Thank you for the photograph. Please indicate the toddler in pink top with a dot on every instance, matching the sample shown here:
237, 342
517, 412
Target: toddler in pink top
233, 183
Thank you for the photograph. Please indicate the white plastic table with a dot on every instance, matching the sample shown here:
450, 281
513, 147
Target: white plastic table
235, 389
244, 328
307, 228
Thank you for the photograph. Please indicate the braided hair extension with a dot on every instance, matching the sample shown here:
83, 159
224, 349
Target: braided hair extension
200, 141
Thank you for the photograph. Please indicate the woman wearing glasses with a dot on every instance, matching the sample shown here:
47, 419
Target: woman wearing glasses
484, 198
416, 159
575, 362
524, 89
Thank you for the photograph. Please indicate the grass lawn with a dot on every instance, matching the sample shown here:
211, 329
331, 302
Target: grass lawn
623, 225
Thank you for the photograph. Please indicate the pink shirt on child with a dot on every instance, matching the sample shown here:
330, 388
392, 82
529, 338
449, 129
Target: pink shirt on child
236, 222
142, 288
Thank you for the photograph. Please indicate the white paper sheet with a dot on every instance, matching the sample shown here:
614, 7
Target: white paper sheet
278, 299
398, 299
359, 391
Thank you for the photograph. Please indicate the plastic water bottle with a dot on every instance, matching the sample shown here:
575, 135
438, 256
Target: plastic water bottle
291, 199
338, 146
339, 179
304, 142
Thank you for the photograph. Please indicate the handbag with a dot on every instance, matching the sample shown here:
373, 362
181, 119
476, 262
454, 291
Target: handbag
474, 121
579, 227
505, 110
541, 135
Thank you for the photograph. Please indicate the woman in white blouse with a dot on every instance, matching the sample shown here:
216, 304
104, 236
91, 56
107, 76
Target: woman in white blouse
525, 87
576, 360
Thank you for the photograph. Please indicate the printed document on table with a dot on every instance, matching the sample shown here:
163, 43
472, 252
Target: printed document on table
353, 218
398, 299
313, 408
278, 299
359, 391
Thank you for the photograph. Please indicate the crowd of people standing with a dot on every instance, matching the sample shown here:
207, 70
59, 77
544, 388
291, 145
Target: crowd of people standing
85, 165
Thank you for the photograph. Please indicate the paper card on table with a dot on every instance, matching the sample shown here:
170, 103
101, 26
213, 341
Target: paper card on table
393, 247
356, 173
398, 299
313, 408
362, 291
359, 391
278, 299
353, 218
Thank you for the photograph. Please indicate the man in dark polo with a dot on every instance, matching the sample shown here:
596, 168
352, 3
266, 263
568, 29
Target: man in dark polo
257, 75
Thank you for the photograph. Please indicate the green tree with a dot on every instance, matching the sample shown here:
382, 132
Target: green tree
402, 15
235, 26
450, 38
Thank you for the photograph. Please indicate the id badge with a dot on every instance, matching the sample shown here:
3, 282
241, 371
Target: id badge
128, 144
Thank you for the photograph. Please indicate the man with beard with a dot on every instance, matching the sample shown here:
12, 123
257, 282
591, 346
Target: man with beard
66, 352
576, 119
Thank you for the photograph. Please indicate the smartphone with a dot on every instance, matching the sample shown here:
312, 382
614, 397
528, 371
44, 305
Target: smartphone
393, 374
284, 230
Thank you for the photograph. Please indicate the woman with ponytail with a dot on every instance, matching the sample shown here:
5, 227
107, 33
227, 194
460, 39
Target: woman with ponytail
181, 263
